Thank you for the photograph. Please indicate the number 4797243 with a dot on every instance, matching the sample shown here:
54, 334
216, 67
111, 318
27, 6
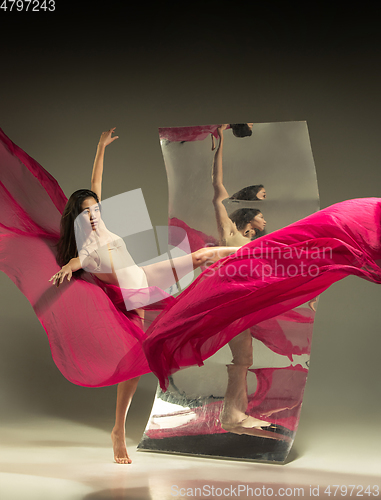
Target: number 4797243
28, 5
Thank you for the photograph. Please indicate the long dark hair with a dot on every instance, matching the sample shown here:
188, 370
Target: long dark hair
241, 129
243, 216
248, 193
66, 246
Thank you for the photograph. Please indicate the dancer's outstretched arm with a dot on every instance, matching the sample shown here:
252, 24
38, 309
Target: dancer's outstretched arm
210, 255
97, 174
224, 224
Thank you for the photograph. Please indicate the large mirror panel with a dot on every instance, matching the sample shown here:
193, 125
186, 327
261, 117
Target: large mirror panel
227, 185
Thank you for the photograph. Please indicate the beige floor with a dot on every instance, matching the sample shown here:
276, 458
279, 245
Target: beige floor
45, 458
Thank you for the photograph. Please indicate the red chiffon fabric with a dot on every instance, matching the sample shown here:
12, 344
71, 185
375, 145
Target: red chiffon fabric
96, 342
264, 279
179, 134
93, 339
288, 334
197, 239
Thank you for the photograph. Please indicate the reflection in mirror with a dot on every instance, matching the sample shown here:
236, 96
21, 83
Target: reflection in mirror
229, 184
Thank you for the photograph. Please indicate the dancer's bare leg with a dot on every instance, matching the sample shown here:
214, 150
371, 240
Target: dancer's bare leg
125, 393
236, 399
167, 272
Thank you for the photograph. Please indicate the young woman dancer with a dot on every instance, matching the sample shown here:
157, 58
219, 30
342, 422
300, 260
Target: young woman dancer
95, 335
87, 202
86, 244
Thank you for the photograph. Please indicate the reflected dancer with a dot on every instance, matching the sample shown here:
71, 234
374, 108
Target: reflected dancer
250, 193
201, 132
239, 228
242, 225
283, 152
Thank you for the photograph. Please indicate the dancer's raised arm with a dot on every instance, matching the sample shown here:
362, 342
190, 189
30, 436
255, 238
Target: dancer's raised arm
79, 202
224, 224
96, 176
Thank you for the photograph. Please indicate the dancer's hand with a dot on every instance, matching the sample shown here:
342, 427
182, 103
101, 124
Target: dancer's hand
213, 142
221, 128
106, 137
65, 272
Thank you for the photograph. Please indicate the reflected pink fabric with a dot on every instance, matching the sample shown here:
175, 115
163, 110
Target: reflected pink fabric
279, 395
94, 341
178, 134
278, 399
197, 239
288, 334
266, 278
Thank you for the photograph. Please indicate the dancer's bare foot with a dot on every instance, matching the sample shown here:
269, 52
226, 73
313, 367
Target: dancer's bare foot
253, 427
259, 432
246, 423
119, 447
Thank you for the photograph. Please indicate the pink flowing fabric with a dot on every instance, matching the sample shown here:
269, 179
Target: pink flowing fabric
264, 279
93, 339
279, 395
197, 239
96, 342
179, 134
288, 334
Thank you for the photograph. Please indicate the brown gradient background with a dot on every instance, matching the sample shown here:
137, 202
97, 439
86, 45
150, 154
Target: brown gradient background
69, 75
